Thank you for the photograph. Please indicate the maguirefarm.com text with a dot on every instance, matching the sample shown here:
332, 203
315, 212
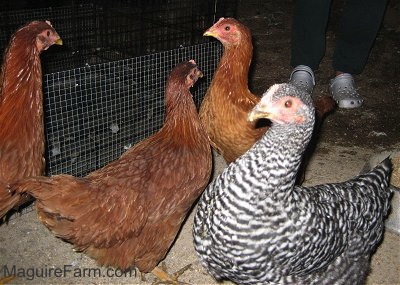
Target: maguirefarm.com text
67, 271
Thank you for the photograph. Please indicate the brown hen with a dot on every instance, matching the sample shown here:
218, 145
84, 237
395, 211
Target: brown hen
128, 213
21, 108
228, 100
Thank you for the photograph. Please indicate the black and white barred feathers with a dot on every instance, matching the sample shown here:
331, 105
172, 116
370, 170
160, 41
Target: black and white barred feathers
254, 226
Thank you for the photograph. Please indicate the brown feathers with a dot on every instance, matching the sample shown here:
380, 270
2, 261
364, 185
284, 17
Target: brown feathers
228, 100
21, 110
128, 213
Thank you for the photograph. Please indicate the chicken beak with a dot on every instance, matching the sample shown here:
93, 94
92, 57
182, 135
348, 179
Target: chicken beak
259, 112
59, 42
212, 32
209, 33
199, 74
264, 109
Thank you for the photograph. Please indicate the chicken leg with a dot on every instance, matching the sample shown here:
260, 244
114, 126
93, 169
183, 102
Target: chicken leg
7, 279
165, 278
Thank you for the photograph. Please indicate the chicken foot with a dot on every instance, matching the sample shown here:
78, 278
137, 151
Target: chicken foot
5, 280
165, 278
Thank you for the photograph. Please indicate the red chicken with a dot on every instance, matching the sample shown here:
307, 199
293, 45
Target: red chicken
128, 213
21, 109
228, 100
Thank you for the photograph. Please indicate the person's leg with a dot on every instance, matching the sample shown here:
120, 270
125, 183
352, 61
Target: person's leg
308, 32
359, 26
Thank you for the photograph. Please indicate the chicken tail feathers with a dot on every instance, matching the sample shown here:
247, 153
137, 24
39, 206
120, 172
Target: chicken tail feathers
46, 190
379, 179
368, 166
8, 200
31, 185
376, 194
51, 194
323, 106
381, 173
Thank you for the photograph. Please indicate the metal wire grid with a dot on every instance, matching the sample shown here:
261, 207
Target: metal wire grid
100, 31
77, 25
97, 102
156, 25
94, 113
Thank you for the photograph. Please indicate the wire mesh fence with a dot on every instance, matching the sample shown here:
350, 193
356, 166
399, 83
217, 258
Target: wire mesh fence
101, 31
104, 88
94, 113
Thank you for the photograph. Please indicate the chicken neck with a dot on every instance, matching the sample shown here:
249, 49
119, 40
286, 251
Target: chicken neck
181, 115
21, 106
273, 162
233, 71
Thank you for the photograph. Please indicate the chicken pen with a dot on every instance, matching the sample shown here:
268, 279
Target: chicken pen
99, 86
104, 88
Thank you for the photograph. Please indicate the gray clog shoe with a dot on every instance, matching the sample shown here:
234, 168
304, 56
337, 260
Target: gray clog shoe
344, 92
303, 78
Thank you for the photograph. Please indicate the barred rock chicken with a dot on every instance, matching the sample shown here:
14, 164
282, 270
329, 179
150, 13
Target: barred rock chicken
254, 226
129, 212
228, 99
21, 108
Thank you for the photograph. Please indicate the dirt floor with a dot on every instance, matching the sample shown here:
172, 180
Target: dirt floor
348, 139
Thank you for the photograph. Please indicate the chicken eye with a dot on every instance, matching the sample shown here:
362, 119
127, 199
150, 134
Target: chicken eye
48, 33
288, 103
227, 28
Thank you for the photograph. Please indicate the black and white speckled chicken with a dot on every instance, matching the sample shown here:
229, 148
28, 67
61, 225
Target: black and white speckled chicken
254, 226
